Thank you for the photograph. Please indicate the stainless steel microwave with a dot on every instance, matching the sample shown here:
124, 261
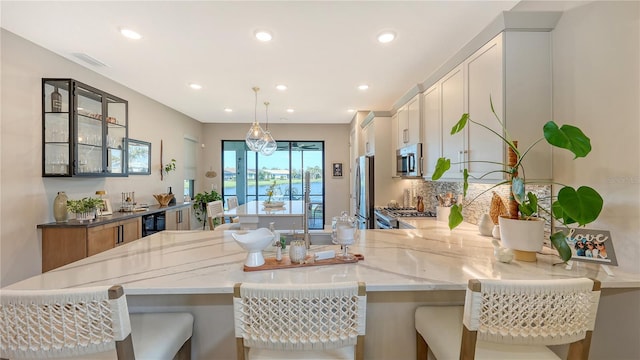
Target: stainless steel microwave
409, 161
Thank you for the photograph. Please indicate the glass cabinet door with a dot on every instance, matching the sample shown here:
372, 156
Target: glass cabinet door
89, 135
56, 128
84, 130
116, 135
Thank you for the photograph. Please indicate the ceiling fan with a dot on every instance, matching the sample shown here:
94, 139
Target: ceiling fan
303, 146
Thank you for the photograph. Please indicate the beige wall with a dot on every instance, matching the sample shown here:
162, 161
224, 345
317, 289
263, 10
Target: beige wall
26, 197
596, 80
596, 85
336, 138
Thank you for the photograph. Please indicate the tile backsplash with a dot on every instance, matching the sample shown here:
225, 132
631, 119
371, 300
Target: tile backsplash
472, 210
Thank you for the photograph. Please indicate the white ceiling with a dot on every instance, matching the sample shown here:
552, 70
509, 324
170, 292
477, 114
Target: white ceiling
321, 50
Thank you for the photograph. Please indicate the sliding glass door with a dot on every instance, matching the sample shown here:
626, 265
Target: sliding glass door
248, 175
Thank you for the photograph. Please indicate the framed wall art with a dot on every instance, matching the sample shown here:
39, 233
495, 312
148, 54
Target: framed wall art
337, 169
139, 162
105, 208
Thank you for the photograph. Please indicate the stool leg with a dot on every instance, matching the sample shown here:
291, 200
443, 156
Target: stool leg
422, 349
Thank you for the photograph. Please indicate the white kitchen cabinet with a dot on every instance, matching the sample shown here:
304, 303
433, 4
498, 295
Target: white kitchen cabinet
395, 144
453, 101
377, 125
409, 124
369, 135
403, 127
484, 74
360, 139
432, 129
443, 105
514, 71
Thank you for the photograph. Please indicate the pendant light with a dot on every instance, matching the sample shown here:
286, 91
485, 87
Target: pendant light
255, 136
270, 145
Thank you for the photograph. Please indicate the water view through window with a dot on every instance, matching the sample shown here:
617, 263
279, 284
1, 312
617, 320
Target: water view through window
249, 175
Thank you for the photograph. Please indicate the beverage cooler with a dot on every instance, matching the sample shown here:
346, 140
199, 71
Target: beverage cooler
153, 223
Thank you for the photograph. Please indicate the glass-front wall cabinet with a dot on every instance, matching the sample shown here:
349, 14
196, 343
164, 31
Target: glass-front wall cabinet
84, 130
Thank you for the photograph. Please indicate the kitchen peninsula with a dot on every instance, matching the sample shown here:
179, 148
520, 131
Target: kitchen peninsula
195, 271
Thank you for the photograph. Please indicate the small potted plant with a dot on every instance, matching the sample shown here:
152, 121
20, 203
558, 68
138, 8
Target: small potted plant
85, 208
579, 206
200, 201
170, 166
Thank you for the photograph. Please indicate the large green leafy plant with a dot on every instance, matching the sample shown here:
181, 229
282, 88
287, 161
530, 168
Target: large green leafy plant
579, 206
200, 201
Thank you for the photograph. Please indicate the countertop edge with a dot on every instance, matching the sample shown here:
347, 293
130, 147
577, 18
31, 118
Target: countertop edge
115, 217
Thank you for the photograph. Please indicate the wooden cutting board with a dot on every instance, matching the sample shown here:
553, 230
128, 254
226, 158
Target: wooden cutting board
271, 263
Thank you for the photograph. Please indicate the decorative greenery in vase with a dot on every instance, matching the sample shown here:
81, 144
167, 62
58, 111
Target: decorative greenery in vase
171, 166
200, 201
84, 206
270, 192
571, 206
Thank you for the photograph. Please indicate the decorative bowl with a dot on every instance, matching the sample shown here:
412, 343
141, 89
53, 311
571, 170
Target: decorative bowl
254, 242
163, 199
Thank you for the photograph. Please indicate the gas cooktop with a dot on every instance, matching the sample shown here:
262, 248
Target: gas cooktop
405, 212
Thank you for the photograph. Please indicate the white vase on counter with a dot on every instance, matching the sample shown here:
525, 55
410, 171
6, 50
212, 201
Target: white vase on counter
485, 226
496, 232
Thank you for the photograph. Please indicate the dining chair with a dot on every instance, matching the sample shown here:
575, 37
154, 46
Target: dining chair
511, 319
88, 323
300, 321
232, 203
215, 214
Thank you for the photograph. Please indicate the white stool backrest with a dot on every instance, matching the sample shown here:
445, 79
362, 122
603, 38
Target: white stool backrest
531, 311
301, 316
215, 210
68, 322
232, 202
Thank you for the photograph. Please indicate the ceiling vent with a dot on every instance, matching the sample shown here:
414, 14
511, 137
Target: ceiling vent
90, 60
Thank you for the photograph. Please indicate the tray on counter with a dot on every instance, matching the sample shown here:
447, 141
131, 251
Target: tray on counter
270, 263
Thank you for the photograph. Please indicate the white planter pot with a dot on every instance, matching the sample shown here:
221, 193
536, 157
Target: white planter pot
523, 235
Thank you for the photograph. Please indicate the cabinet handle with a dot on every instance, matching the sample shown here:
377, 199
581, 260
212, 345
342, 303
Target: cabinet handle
405, 136
463, 158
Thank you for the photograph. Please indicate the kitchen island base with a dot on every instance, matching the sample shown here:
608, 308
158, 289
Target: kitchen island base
390, 331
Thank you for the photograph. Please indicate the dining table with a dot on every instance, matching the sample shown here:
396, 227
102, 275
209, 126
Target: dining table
286, 215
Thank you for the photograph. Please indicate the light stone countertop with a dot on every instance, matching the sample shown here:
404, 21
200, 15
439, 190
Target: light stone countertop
210, 262
256, 208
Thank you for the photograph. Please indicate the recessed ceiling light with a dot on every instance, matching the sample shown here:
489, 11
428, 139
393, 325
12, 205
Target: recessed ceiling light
351, 110
281, 87
228, 110
195, 86
363, 87
263, 35
130, 34
290, 110
386, 37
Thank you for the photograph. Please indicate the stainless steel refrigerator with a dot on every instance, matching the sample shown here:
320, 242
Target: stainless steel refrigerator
364, 192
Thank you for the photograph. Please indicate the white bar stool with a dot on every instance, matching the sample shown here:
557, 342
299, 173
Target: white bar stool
511, 319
